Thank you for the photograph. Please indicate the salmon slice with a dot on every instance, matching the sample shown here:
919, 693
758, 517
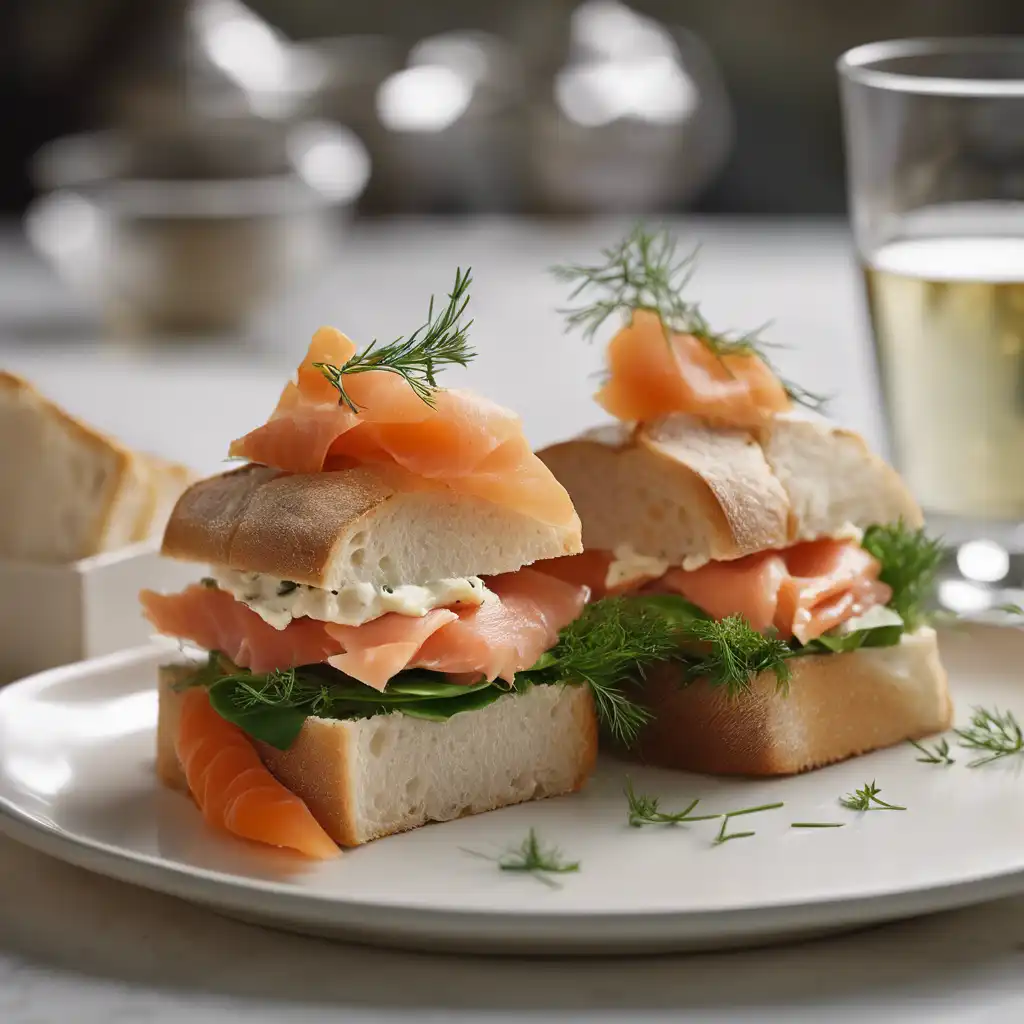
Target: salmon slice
803, 591
235, 791
378, 650
650, 376
748, 587
464, 441
214, 620
589, 569
830, 581
504, 636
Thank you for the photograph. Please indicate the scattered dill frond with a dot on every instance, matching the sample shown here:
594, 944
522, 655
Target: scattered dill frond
441, 341
867, 799
643, 810
997, 733
938, 754
722, 837
531, 858
818, 824
735, 653
910, 560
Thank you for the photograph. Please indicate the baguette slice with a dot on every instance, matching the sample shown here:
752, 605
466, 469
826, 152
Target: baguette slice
374, 777
687, 493
70, 491
838, 706
368, 524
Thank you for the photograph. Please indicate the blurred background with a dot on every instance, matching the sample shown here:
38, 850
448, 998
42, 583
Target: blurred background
469, 106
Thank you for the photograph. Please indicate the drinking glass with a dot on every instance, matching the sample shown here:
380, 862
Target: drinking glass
935, 164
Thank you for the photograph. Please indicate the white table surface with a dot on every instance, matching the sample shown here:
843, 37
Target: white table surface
78, 948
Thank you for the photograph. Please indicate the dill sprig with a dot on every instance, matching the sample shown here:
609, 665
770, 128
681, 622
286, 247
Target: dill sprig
441, 341
724, 836
612, 642
818, 824
998, 733
643, 810
937, 754
867, 799
910, 560
734, 653
646, 271
532, 858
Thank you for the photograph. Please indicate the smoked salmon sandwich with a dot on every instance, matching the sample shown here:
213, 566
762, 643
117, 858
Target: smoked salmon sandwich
791, 558
380, 653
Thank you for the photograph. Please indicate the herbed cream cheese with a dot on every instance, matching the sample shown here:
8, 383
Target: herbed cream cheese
277, 601
629, 566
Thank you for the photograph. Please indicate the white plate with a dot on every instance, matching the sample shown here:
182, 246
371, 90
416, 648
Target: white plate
77, 781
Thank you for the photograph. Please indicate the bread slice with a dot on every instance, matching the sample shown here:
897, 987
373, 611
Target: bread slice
368, 524
687, 493
377, 776
69, 491
837, 706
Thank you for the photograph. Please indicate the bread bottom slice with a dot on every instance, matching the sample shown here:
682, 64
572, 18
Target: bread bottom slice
374, 777
837, 706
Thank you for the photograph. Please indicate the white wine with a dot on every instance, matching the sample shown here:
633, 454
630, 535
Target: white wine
948, 320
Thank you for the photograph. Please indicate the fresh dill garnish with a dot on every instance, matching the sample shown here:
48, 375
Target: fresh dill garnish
867, 799
998, 733
441, 341
645, 271
938, 754
734, 653
910, 560
531, 858
817, 824
643, 810
612, 642
722, 837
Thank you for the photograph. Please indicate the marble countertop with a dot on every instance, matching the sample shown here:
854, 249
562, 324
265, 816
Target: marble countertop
80, 948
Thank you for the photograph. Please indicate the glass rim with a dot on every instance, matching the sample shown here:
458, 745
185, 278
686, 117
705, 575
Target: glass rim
858, 65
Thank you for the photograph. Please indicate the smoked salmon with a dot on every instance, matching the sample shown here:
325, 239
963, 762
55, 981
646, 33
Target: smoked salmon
235, 791
504, 635
464, 441
651, 375
801, 592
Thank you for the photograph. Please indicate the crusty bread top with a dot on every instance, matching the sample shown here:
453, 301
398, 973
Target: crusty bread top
682, 491
368, 524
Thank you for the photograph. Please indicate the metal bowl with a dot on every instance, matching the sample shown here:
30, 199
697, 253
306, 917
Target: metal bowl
192, 234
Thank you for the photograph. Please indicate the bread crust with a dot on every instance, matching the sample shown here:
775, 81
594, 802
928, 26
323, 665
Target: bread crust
681, 491
374, 524
837, 706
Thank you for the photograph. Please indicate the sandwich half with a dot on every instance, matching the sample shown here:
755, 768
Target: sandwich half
790, 556
379, 652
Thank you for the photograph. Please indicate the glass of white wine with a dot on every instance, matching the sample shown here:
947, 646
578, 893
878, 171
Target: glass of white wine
935, 165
